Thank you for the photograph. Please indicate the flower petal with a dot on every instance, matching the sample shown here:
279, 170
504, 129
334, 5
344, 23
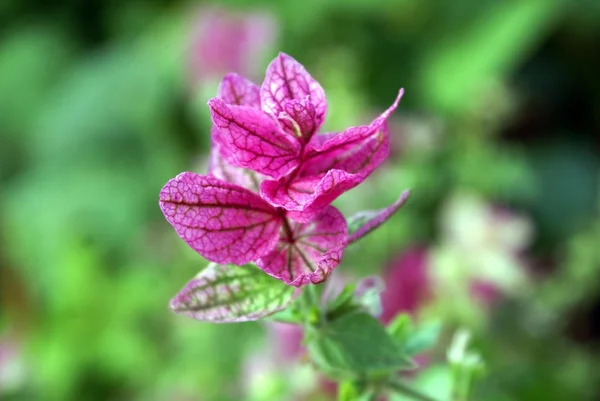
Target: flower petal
221, 146
237, 90
311, 252
221, 221
298, 118
219, 167
228, 294
365, 222
308, 195
357, 150
256, 140
317, 141
287, 79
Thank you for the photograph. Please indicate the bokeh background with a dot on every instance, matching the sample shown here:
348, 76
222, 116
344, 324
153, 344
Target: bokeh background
498, 135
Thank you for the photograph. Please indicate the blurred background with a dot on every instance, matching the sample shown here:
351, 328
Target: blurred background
498, 135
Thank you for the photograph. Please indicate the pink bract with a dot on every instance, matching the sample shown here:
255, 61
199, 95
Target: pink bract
278, 139
272, 177
255, 138
223, 222
287, 80
308, 252
234, 90
226, 223
219, 168
374, 219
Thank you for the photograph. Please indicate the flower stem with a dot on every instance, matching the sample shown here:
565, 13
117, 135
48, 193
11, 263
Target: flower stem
401, 388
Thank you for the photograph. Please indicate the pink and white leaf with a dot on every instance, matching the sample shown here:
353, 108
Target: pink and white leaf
255, 139
229, 294
237, 90
285, 80
306, 196
221, 221
357, 150
298, 118
308, 252
219, 167
366, 222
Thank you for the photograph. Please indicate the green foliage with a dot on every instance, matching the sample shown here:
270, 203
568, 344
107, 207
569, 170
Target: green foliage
493, 43
465, 366
414, 340
355, 345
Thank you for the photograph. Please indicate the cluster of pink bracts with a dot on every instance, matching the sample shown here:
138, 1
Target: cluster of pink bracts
272, 176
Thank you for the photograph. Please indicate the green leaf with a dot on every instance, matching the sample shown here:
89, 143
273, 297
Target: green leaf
400, 328
368, 295
228, 293
352, 390
414, 339
348, 391
466, 365
343, 303
433, 383
356, 345
289, 315
423, 337
365, 222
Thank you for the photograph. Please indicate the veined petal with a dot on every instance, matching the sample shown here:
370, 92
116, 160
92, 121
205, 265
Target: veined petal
220, 145
298, 118
317, 141
223, 222
309, 252
237, 90
219, 167
357, 150
287, 79
256, 140
307, 195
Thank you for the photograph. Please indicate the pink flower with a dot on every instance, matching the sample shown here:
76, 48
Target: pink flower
408, 284
286, 339
223, 41
264, 139
12, 368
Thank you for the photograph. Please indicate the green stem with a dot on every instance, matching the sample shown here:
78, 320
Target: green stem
401, 388
311, 304
312, 295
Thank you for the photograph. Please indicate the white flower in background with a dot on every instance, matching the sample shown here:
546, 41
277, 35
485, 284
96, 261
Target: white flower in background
480, 245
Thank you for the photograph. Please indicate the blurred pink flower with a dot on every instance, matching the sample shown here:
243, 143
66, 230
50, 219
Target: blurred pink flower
477, 260
224, 41
286, 339
11, 364
485, 292
407, 283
